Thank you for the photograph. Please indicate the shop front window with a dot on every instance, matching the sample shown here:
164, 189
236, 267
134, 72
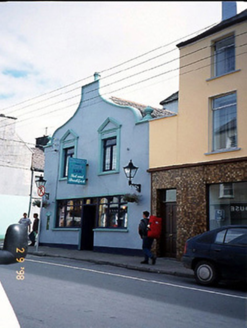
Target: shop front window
112, 213
69, 213
227, 204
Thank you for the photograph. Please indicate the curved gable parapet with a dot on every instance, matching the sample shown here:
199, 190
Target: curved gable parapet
89, 96
137, 114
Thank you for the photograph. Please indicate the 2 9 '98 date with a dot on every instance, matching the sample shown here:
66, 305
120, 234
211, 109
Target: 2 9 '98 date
21, 273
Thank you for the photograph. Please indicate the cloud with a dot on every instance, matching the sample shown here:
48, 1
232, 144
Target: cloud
46, 45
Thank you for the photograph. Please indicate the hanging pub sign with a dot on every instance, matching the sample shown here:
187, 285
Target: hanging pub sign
77, 171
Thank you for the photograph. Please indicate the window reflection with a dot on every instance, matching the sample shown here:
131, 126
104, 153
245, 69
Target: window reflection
112, 212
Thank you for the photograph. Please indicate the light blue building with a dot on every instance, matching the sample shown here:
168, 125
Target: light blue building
85, 178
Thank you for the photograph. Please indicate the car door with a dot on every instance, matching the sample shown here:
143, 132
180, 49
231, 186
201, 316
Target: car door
230, 252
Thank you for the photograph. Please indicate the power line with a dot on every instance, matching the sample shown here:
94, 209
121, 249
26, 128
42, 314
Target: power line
114, 82
108, 69
152, 77
140, 81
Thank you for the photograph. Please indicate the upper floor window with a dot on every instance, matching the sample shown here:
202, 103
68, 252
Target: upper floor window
224, 56
109, 146
110, 154
224, 122
67, 153
226, 190
68, 147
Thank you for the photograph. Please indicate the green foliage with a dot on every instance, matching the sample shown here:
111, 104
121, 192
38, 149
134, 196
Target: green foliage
37, 203
131, 198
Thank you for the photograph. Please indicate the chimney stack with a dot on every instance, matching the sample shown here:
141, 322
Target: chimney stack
229, 9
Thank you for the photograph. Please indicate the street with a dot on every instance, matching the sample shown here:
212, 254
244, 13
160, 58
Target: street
55, 292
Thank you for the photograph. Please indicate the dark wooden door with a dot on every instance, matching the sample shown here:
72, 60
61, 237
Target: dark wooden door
88, 224
169, 230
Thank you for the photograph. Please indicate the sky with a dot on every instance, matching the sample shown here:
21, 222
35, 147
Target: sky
49, 50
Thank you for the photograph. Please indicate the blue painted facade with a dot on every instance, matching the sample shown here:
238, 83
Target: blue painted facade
95, 121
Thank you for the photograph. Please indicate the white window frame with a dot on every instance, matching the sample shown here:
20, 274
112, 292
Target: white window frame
226, 190
224, 64
227, 129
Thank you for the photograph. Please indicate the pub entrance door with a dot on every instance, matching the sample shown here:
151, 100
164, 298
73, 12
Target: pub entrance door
88, 224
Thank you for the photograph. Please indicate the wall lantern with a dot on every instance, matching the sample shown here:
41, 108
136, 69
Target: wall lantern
130, 171
40, 183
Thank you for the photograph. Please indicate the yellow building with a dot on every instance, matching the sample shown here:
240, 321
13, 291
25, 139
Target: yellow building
198, 158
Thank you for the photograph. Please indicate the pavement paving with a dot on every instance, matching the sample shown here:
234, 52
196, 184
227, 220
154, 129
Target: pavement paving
163, 265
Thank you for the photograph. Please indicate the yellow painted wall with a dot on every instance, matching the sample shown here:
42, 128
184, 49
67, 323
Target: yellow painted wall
186, 138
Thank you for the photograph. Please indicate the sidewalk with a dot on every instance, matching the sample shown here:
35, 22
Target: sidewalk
163, 265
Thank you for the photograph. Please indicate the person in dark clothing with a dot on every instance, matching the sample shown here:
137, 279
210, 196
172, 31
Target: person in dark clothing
35, 229
146, 241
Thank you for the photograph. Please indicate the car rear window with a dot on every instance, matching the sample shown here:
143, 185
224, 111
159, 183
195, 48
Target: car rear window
233, 236
236, 237
220, 237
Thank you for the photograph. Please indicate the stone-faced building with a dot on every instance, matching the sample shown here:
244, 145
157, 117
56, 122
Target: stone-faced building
198, 158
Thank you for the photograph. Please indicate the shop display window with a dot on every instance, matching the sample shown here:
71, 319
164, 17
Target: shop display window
227, 204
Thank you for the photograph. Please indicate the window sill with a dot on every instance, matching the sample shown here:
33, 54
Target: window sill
219, 76
110, 230
108, 172
63, 179
66, 229
219, 151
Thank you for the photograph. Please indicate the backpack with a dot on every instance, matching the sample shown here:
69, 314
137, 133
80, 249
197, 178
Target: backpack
154, 227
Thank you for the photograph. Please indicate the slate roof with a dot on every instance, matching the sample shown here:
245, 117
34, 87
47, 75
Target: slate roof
157, 112
221, 26
170, 99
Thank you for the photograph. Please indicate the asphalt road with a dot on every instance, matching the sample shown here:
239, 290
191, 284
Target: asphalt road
59, 293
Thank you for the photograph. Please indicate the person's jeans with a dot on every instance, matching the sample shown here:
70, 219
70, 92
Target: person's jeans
146, 247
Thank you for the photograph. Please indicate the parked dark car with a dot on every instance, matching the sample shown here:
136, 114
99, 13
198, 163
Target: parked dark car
219, 254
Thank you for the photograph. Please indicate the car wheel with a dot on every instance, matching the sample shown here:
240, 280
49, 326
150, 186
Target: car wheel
206, 273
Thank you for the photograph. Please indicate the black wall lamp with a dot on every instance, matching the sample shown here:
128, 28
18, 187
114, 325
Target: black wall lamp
130, 171
40, 183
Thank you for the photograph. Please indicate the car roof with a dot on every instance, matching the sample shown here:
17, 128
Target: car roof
242, 226
230, 226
